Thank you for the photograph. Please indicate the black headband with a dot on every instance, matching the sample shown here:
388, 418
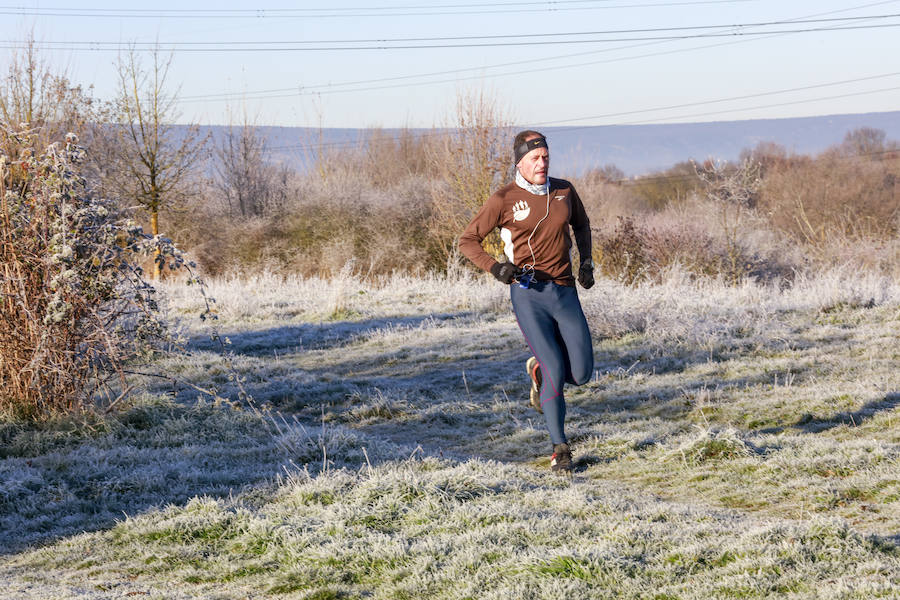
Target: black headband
527, 146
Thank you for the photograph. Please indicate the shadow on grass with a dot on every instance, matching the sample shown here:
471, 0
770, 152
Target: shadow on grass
441, 392
59, 483
162, 455
811, 424
310, 336
450, 392
344, 365
457, 393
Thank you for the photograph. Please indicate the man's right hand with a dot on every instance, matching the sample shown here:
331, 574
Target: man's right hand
504, 272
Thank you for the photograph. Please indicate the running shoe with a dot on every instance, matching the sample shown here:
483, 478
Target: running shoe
534, 371
561, 460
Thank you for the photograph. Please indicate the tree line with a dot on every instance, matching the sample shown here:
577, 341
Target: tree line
398, 202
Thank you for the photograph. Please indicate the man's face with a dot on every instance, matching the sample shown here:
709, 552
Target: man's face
534, 165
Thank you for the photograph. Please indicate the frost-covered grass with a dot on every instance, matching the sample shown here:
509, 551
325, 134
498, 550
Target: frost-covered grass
734, 443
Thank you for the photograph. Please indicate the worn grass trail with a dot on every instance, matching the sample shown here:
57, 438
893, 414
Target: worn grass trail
734, 443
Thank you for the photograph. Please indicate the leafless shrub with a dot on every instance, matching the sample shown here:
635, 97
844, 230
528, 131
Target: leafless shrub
634, 252
673, 186
36, 98
732, 189
468, 163
387, 159
397, 201
606, 199
248, 184
866, 142
622, 255
389, 203
645, 247
337, 221
74, 307
834, 200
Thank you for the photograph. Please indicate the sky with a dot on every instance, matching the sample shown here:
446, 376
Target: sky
404, 63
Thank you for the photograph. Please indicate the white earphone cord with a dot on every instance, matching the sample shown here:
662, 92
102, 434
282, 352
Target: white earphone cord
530, 267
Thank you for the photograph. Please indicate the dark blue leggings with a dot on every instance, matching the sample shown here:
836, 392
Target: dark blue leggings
555, 329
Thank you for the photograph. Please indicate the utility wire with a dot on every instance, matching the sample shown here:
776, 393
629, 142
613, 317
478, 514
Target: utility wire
720, 100
255, 11
330, 88
645, 110
527, 36
579, 127
182, 47
802, 88
336, 12
779, 104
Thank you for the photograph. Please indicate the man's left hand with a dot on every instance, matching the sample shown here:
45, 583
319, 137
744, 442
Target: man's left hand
586, 274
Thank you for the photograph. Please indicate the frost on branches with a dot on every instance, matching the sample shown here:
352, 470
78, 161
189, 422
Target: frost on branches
74, 306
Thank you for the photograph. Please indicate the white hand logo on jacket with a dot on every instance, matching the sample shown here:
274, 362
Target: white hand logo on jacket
521, 210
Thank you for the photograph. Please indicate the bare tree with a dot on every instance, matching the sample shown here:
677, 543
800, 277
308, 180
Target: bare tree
249, 184
470, 162
39, 102
733, 189
865, 142
155, 158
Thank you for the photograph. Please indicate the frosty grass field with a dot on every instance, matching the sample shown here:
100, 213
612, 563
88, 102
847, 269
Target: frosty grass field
735, 442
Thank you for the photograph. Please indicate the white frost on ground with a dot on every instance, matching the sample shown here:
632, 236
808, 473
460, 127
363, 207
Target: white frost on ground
734, 442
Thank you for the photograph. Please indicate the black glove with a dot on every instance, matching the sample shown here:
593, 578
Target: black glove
586, 274
504, 272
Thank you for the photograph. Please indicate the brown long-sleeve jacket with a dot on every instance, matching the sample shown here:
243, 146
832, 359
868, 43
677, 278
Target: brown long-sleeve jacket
545, 219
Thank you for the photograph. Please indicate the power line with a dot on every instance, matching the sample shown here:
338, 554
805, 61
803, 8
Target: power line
531, 70
311, 89
718, 100
642, 56
307, 10
337, 12
255, 11
528, 36
304, 90
329, 88
117, 47
777, 105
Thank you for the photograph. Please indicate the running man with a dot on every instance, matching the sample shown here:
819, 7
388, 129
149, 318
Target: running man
534, 215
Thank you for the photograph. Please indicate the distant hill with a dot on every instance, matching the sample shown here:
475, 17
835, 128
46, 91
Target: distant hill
640, 149
635, 149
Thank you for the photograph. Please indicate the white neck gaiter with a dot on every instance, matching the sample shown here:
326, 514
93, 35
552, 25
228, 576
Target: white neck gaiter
537, 190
